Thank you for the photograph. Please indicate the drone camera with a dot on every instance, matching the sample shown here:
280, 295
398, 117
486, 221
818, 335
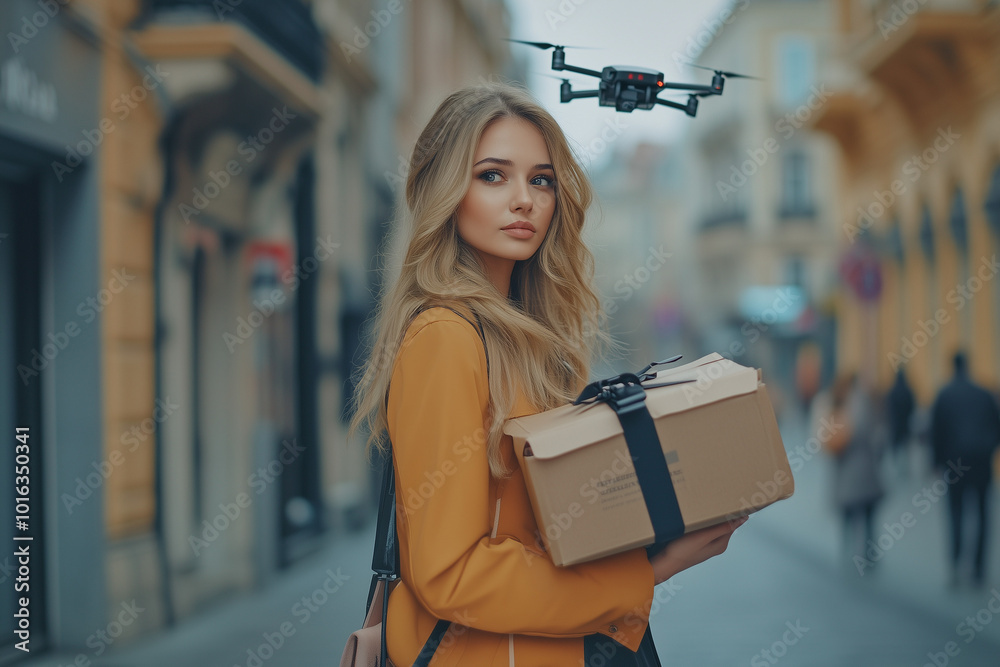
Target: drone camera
627, 100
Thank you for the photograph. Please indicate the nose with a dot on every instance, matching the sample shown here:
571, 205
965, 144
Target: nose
522, 200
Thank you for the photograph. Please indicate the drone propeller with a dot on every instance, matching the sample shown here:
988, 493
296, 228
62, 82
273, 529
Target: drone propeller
557, 78
549, 76
732, 75
688, 95
546, 46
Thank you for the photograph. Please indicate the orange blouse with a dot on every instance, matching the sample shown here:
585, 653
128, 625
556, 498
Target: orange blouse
468, 543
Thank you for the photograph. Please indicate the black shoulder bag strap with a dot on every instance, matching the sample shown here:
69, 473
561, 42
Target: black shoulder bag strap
385, 559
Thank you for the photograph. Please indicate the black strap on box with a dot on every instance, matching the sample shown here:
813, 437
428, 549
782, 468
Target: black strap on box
626, 396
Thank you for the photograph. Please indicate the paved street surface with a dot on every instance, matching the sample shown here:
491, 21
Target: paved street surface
782, 594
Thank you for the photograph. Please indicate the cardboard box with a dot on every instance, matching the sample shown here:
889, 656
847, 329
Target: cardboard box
720, 439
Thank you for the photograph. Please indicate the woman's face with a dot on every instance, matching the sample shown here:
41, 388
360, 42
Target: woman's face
507, 210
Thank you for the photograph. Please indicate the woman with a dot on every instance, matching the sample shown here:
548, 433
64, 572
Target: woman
857, 483
493, 316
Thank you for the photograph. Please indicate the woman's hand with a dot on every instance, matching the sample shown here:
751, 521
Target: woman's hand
693, 548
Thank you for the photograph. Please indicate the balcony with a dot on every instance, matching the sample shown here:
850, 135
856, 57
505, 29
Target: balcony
793, 212
286, 26
929, 56
734, 218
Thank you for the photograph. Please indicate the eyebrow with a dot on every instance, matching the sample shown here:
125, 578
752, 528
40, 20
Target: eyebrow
508, 163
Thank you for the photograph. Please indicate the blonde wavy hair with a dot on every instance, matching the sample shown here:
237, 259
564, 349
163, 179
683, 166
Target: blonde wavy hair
543, 337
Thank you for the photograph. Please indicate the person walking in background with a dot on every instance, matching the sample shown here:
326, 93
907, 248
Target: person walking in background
964, 434
899, 405
857, 483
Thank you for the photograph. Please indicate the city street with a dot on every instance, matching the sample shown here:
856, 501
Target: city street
780, 594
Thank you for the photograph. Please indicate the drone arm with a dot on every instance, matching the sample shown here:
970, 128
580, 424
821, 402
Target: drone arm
566, 94
578, 70
691, 108
695, 88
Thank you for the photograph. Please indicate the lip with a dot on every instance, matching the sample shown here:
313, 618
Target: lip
521, 224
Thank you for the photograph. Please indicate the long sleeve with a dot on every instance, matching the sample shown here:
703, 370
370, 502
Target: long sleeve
437, 424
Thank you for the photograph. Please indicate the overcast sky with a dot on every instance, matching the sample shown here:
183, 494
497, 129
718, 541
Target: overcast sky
643, 33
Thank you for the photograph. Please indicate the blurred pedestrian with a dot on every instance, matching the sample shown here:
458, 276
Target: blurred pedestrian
808, 374
900, 404
965, 433
857, 452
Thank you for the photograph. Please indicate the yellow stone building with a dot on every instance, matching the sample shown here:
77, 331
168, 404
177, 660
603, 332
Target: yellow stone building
193, 194
916, 116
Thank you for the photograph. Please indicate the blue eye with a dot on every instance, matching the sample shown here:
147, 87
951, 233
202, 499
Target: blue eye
549, 180
491, 176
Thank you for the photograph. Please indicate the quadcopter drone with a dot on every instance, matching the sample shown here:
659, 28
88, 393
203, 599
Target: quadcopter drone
630, 88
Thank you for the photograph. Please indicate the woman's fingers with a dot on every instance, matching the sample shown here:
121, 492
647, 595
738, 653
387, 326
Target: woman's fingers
693, 548
720, 530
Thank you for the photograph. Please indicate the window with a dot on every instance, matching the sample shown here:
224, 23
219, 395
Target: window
796, 69
796, 186
795, 271
992, 203
957, 222
894, 242
927, 235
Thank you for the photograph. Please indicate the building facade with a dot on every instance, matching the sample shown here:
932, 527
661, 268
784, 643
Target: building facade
640, 274
762, 211
194, 200
916, 118
53, 289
